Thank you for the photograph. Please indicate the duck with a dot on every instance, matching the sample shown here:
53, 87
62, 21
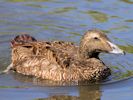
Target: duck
62, 60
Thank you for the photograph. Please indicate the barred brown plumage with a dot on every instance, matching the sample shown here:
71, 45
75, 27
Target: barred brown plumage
63, 61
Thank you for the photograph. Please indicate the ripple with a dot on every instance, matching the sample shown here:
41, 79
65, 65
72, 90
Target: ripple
62, 10
98, 16
128, 1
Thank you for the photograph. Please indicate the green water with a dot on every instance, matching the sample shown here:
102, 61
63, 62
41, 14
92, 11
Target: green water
68, 20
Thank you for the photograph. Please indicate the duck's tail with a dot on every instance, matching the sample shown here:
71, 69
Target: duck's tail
21, 39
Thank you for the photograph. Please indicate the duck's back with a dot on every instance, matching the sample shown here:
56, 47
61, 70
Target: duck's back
31, 57
25, 44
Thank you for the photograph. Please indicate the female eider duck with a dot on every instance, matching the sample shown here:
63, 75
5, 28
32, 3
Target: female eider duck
63, 61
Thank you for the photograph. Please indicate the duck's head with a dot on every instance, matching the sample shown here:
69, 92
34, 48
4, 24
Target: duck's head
94, 42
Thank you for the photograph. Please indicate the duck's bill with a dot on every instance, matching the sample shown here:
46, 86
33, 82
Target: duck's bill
115, 49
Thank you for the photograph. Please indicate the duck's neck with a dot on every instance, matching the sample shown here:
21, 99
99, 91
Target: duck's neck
85, 50
86, 54
93, 55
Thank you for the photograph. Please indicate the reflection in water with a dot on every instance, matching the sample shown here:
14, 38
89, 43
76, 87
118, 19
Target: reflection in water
42, 82
117, 76
62, 10
129, 20
85, 93
62, 97
128, 48
128, 1
90, 92
98, 16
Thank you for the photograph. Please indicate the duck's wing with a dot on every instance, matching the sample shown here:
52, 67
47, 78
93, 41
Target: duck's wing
47, 60
24, 46
41, 60
68, 47
56, 52
57, 46
27, 40
50, 51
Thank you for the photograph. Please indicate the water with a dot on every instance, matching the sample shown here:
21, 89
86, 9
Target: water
67, 20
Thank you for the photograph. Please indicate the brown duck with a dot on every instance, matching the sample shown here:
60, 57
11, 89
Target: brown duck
63, 61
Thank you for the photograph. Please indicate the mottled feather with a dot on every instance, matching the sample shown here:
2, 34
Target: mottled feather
56, 60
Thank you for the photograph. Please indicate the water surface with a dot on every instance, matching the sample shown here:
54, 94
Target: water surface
67, 20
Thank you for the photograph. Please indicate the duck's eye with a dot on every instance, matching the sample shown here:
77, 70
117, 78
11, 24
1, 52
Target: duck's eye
96, 38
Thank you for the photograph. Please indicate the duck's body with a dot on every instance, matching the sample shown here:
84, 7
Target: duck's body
58, 60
